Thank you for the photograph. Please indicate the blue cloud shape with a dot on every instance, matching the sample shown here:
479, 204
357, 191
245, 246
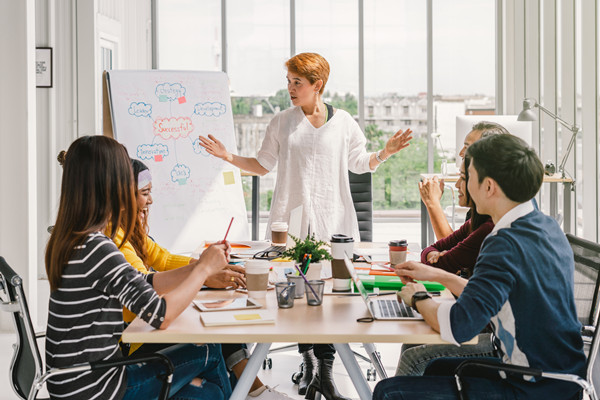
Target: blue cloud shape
180, 171
148, 151
199, 149
172, 91
210, 109
140, 109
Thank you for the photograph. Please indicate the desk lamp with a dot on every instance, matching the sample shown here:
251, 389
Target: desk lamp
529, 115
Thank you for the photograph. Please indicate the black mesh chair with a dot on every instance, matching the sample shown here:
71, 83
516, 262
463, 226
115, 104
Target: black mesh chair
362, 197
586, 281
27, 371
588, 385
586, 255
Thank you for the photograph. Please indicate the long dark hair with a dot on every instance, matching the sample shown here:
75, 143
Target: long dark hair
97, 191
140, 231
476, 219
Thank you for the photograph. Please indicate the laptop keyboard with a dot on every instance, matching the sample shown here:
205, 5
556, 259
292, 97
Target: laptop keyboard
280, 249
394, 309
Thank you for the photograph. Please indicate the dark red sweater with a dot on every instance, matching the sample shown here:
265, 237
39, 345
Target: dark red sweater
463, 248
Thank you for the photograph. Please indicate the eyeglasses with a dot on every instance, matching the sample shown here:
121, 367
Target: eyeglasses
267, 255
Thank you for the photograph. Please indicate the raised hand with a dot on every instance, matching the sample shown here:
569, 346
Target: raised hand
214, 146
431, 190
399, 141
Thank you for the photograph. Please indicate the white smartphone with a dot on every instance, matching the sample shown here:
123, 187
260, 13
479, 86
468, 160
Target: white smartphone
238, 303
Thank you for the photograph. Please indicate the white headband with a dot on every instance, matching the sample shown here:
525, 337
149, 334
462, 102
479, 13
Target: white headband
144, 178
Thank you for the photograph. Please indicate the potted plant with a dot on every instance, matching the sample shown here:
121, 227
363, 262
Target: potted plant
316, 249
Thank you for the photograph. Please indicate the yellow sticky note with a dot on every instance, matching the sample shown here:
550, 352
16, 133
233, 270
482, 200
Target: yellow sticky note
246, 317
228, 177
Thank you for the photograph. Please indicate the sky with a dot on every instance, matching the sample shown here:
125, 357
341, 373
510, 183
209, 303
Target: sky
258, 40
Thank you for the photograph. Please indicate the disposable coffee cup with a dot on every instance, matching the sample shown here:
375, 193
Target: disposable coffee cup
398, 250
257, 278
341, 246
279, 232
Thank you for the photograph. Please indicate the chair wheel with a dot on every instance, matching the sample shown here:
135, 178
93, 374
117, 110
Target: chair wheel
296, 376
267, 363
371, 374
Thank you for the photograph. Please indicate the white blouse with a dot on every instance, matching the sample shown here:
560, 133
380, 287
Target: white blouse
313, 171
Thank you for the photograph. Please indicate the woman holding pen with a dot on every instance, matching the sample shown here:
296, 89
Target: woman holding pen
91, 281
315, 145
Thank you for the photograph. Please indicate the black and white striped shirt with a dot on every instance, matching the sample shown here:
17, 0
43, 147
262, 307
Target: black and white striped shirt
85, 318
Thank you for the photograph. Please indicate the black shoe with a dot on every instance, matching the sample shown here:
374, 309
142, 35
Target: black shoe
309, 365
323, 383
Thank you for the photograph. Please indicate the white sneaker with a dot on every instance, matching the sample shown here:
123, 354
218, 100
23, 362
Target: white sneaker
269, 393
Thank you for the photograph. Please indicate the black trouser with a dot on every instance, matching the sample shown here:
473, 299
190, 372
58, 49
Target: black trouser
322, 351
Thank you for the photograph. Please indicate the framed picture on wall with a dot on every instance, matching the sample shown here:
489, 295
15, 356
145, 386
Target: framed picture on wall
43, 67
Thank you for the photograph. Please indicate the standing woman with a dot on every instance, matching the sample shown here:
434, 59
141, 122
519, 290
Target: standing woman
91, 281
315, 146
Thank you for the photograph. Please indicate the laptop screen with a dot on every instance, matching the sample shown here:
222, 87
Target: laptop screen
359, 285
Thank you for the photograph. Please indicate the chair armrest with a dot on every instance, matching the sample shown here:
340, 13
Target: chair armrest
516, 369
118, 362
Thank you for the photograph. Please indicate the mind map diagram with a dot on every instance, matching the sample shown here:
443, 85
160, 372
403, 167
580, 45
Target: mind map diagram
170, 130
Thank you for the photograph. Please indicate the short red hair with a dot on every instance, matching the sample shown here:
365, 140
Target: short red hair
312, 66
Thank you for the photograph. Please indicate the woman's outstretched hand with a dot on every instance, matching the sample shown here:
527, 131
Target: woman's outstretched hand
399, 141
214, 147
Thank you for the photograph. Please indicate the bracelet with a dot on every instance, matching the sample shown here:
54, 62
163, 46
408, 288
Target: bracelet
377, 156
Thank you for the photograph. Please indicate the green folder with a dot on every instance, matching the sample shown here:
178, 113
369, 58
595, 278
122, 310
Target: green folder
384, 282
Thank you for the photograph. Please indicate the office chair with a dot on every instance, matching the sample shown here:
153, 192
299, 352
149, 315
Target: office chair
586, 255
26, 371
588, 385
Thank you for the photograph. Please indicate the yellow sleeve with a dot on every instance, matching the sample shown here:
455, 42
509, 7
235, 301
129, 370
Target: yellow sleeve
161, 260
129, 253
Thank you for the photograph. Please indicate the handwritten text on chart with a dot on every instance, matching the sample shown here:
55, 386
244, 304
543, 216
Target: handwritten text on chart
152, 151
140, 109
180, 173
209, 109
170, 91
175, 127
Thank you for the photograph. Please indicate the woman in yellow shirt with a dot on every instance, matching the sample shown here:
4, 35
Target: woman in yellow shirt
144, 254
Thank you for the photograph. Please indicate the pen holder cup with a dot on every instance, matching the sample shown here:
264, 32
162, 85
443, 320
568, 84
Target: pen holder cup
285, 294
314, 271
314, 292
297, 279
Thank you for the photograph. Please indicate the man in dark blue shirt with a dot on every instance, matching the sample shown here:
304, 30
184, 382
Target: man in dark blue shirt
522, 285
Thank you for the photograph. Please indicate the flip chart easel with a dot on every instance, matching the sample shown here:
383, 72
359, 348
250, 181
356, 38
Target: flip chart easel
158, 116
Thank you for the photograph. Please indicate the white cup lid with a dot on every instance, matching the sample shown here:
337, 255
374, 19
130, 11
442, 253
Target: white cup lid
279, 226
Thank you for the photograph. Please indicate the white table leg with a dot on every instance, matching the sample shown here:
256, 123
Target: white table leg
358, 379
375, 359
254, 362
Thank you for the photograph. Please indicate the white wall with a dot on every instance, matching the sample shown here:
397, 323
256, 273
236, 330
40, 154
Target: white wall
35, 124
18, 162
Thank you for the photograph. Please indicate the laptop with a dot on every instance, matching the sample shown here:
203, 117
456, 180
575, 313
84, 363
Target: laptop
294, 227
382, 309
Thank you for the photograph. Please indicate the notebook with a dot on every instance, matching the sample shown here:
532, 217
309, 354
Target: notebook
381, 309
247, 317
238, 303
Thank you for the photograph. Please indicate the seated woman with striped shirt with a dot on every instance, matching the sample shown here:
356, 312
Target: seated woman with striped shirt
91, 281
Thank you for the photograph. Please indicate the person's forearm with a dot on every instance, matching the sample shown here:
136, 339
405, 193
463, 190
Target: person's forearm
439, 223
179, 299
454, 283
373, 162
166, 281
249, 164
428, 309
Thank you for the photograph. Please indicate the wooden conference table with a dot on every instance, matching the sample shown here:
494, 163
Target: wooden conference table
332, 322
427, 236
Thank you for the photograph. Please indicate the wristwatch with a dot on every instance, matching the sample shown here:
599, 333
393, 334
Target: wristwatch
378, 157
417, 297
